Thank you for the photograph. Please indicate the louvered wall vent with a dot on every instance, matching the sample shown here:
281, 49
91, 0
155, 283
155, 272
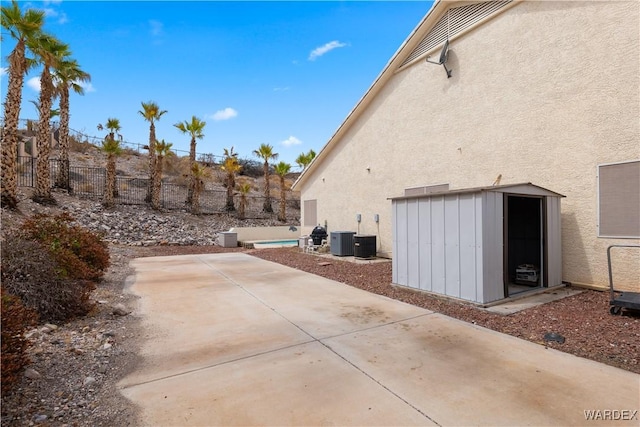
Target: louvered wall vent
454, 22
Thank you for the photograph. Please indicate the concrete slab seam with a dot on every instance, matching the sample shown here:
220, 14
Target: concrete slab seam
331, 349
257, 298
380, 384
369, 328
214, 365
298, 326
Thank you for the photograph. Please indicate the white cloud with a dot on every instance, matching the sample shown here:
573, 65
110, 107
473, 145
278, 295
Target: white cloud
34, 83
52, 13
87, 86
319, 51
3, 71
226, 114
48, 2
292, 140
156, 27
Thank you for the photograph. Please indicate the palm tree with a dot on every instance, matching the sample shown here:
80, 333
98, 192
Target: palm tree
265, 152
23, 28
67, 76
198, 172
304, 159
194, 128
282, 169
244, 189
111, 147
49, 52
230, 166
151, 113
113, 125
163, 149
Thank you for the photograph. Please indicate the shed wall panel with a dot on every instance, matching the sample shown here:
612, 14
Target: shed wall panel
401, 233
492, 247
468, 248
480, 269
424, 244
394, 243
554, 241
452, 245
413, 255
438, 276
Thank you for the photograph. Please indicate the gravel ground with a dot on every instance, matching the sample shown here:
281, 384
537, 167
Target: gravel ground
77, 365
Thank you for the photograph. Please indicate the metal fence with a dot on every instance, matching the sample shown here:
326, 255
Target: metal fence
90, 183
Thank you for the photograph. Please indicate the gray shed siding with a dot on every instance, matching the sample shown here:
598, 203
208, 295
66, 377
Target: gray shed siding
492, 286
437, 244
453, 244
554, 244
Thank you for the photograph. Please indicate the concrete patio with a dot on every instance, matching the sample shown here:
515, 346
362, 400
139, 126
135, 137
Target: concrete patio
231, 339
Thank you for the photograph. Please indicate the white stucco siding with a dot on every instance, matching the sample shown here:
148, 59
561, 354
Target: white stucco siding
542, 93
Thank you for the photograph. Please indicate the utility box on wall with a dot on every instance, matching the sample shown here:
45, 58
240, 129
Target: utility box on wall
341, 243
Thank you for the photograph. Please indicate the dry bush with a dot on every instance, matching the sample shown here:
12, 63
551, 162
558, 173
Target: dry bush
84, 187
80, 254
250, 167
16, 319
180, 169
78, 146
128, 151
30, 272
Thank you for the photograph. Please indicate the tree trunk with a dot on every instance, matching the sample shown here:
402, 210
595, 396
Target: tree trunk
282, 215
243, 206
192, 178
62, 179
156, 181
266, 207
231, 184
9, 167
195, 200
152, 161
42, 193
110, 181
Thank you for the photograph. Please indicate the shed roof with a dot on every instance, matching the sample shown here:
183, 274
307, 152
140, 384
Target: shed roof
525, 189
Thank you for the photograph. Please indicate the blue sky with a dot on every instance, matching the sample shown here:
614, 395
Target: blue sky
284, 73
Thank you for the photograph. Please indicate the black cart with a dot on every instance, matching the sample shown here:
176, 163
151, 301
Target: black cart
624, 299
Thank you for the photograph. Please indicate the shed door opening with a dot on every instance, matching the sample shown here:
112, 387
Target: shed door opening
524, 244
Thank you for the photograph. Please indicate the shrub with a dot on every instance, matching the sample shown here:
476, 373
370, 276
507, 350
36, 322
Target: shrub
16, 319
31, 272
251, 168
79, 253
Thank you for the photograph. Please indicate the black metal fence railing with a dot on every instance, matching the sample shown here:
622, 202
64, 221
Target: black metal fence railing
90, 182
30, 126
26, 171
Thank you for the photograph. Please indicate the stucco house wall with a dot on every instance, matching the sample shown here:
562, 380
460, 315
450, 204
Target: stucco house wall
543, 92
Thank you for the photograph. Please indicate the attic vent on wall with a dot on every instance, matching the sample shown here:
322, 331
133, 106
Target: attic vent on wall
457, 20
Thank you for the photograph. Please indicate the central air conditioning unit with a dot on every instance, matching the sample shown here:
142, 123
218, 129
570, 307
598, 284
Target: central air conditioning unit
341, 243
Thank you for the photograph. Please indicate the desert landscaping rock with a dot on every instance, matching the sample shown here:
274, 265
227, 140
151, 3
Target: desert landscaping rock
32, 374
120, 310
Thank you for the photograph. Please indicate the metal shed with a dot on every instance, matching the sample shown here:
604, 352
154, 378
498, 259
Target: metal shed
478, 244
